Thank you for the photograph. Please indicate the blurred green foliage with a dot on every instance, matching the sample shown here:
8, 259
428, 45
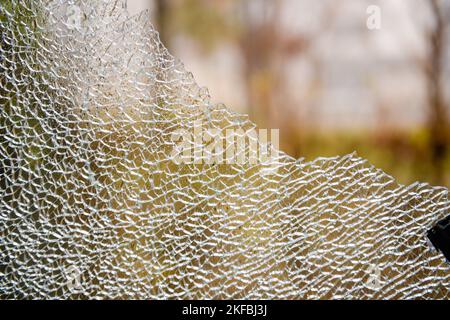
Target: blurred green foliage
203, 23
403, 155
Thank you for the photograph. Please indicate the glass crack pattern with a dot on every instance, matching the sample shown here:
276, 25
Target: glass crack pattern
92, 204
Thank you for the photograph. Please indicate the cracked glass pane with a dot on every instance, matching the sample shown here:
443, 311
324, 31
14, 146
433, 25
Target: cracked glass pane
94, 205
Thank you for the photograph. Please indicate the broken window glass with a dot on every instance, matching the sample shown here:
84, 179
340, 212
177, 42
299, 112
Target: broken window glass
92, 204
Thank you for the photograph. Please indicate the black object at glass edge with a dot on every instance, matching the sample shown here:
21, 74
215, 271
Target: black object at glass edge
439, 237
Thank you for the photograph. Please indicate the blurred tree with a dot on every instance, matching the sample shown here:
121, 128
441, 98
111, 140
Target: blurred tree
205, 21
259, 42
434, 71
266, 48
161, 16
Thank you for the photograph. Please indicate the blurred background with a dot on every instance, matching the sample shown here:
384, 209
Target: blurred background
334, 76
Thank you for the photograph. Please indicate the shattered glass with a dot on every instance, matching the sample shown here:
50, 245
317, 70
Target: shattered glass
92, 204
